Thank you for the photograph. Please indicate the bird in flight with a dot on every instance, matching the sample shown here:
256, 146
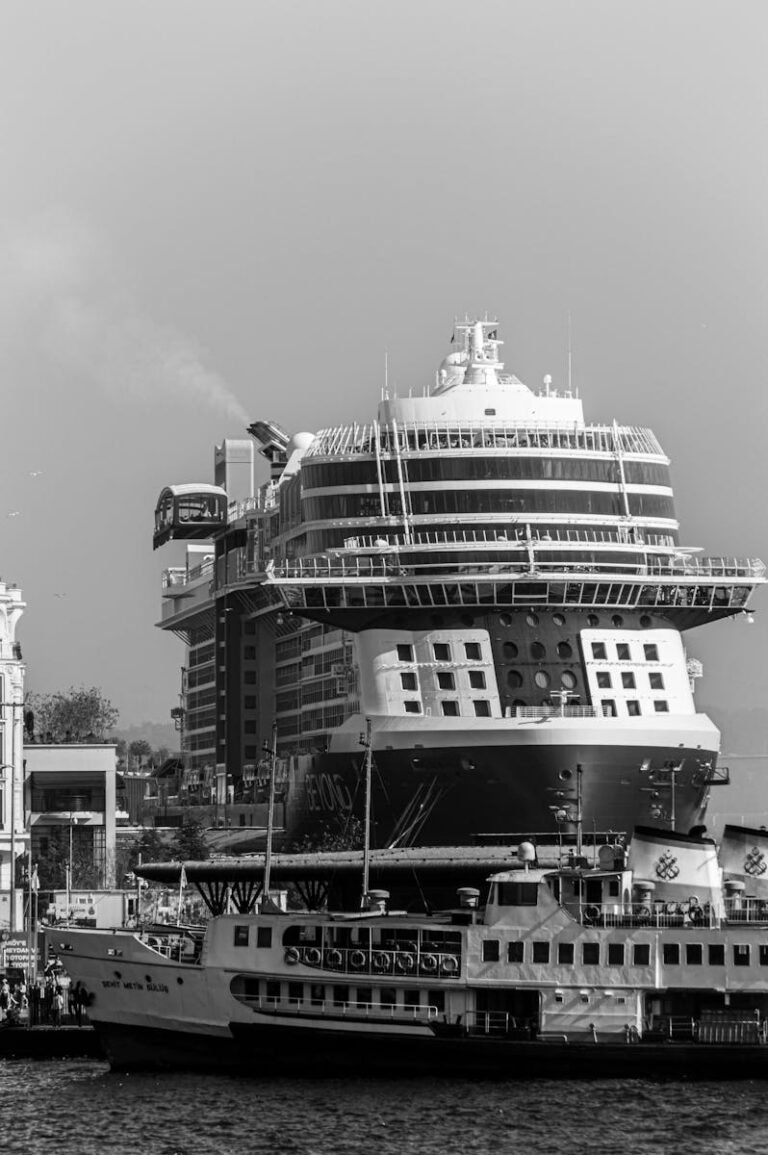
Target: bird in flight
15, 513
35, 473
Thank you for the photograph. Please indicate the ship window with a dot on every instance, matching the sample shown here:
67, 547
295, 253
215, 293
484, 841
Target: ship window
558, 619
411, 997
656, 681
514, 679
564, 650
671, 954
741, 954
412, 707
628, 680
340, 995
517, 893
241, 936
515, 952
615, 954
541, 952
661, 707
445, 680
763, 948
510, 651
532, 620
273, 989
404, 653
590, 954
296, 993
538, 651
364, 996
604, 680
694, 954
651, 653
408, 681
542, 679
609, 708
317, 994
568, 679
622, 651
633, 708
599, 651
717, 954
490, 950
489, 412
565, 953
442, 652
450, 708
263, 936
473, 651
477, 679
617, 621
642, 954
436, 999
482, 708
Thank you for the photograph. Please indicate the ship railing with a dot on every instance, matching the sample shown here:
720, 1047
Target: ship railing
500, 1024
507, 536
565, 711
690, 914
400, 959
743, 909
176, 945
747, 1030
347, 1007
427, 437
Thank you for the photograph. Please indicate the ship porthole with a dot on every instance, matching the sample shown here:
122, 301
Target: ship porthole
593, 620
147, 978
558, 619
532, 619
567, 680
645, 621
118, 974
564, 650
514, 679
510, 651
538, 651
617, 620
505, 619
180, 981
542, 679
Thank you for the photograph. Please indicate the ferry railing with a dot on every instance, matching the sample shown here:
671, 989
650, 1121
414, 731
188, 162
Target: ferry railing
508, 535
348, 1007
689, 914
742, 909
401, 960
500, 1024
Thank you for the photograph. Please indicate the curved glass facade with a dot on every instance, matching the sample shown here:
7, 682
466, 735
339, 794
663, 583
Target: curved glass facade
459, 502
336, 474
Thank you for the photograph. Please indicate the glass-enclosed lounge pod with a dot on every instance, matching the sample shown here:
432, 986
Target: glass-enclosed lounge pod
189, 512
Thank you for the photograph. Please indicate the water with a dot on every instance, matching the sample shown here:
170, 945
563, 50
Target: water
80, 1107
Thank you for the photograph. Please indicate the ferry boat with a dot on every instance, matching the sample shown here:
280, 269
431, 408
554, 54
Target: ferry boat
652, 961
496, 584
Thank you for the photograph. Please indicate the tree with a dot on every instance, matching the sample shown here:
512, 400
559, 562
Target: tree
139, 749
80, 714
189, 842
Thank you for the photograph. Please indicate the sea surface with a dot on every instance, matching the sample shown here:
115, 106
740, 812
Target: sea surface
81, 1107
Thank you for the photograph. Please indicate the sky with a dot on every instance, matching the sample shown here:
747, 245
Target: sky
212, 213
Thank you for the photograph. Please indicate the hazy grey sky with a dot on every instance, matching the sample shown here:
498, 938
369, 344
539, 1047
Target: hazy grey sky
213, 211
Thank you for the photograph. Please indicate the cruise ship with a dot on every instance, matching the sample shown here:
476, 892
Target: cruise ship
479, 587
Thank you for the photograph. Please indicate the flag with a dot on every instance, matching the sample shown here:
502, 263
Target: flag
182, 878
34, 881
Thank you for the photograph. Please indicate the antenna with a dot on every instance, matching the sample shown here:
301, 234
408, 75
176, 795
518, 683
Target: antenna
570, 355
386, 371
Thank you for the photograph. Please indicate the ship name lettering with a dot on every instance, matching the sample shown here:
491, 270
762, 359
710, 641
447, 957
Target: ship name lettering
161, 988
110, 982
328, 792
133, 986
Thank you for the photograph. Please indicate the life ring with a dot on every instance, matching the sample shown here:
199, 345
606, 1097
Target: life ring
357, 960
592, 913
644, 912
382, 961
312, 956
405, 962
449, 965
428, 964
292, 956
334, 958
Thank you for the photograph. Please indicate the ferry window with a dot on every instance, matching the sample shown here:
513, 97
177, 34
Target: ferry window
317, 994
642, 954
436, 999
408, 681
273, 989
613, 888
482, 708
388, 997
411, 997
515, 951
241, 936
656, 681
716, 954
541, 952
622, 651
671, 954
404, 653
628, 680
604, 680
445, 680
489, 412
590, 954
615, 954
599, 651
442, 652
517, 893
633, 708
340, 995
296, 992
609, 708
477, 679
451, 708
491, 950
565, 953
473, 651
364, 996
651, 653
694, 954
264, 936
763, 954
412, 707
661, 707
741, 954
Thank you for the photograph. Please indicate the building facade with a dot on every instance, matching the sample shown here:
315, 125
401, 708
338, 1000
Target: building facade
13, 835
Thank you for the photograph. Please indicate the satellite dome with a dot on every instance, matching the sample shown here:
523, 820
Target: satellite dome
526, 852
300, 441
